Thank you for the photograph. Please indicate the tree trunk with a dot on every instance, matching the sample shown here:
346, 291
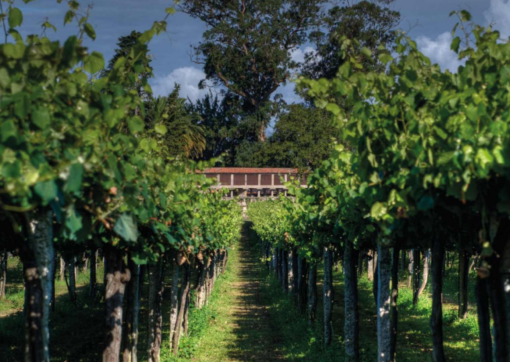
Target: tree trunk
62, 268
312, 292
182, 307
278, 265
85, 264
71, 280
3, 272
484, 321
302, 287
216, 267
375, 283
285, 273
93, 276
370, 272
186, 315
117, 276
37, 257
416, 275
53, 278
463, 283
174, 303
152, 271
155, 352
410, 269
210, 283
497, 293
132, 314
426, 261
473, 263
328, 294
275, 261
436, 318
497, 304
295, 273
200, 290
290, 270
225, 260
505, 282
351, 321
394, 299
383, 305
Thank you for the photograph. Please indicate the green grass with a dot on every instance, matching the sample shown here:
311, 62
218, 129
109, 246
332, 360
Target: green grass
205, 322
302, 343
75, 331
239, 327
248, 317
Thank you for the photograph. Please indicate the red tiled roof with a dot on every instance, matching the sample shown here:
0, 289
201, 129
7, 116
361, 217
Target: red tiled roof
216, 170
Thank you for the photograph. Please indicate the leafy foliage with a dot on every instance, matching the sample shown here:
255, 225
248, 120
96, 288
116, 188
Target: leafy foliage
302, 138
371, 23
247, 49
175, 125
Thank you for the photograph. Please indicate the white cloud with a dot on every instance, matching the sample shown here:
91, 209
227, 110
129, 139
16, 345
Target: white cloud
187, 77
287, 91
499, 14
438, 50
298, 55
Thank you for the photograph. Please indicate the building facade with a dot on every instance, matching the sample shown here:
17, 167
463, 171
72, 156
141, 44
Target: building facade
247, 182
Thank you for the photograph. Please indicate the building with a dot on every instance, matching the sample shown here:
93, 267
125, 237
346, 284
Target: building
248, 182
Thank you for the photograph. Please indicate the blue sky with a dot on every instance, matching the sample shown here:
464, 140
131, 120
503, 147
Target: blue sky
427, 21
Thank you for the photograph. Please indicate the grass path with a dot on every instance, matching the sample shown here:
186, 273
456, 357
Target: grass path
249, 318
241, 329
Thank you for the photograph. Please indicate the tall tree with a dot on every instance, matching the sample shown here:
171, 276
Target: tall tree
302, 138
370, 22
127, 47
218, 119
169, 118
247, 47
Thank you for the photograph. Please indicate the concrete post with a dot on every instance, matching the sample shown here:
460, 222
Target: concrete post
245, 184
260, 181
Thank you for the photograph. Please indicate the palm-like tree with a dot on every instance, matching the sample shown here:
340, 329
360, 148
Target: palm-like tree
183, 136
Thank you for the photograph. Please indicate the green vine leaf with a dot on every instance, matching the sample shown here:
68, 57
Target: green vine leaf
94, 63
47, 191
15, 17
89, 30
126, 228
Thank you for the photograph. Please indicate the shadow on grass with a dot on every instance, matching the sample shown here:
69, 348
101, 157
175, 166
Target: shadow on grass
268, 326
256, 333
300, 342
75, 331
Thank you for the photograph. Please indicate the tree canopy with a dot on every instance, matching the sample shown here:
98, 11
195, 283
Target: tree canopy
247, 48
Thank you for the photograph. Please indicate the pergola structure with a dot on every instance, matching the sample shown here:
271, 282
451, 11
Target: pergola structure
248, 182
